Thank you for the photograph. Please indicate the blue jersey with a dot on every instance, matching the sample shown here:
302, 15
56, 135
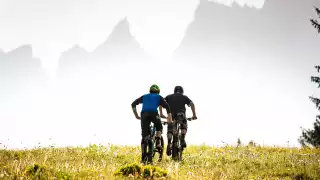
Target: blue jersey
150, 103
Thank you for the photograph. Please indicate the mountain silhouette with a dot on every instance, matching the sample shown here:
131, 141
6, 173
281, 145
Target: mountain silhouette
119, 47
20, 64
74, 59
256, 57
21, 75
1, 53
245, 35
120, 44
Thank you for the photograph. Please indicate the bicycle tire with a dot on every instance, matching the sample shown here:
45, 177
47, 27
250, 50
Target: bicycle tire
179, 148
148, 150
176, 147
161, 151
144, 158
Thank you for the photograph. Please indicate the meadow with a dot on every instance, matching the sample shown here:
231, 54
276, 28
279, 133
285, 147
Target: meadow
123, 162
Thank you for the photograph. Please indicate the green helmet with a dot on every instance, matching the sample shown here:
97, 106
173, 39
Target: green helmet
154, 89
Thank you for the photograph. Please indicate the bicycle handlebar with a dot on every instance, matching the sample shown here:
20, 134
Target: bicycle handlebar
165, 122
190, 119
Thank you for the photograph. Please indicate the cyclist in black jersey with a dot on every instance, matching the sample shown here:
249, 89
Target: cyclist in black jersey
177, 102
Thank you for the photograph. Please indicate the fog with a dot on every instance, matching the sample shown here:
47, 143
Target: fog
250, 82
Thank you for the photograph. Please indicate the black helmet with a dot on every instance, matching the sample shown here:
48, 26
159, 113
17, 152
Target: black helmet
178, 89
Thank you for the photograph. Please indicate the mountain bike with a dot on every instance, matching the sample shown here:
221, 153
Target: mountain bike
148, 147
176, 147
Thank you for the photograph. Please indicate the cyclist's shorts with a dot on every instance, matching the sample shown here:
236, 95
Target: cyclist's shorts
146, 119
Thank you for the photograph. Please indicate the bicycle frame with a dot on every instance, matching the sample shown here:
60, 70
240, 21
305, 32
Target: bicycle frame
149, 144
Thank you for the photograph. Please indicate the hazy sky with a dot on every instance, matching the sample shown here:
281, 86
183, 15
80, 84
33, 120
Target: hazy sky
52, 27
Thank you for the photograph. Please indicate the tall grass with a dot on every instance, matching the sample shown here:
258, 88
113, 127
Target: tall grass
200, 162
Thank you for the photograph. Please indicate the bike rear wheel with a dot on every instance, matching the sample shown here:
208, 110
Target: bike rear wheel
147, 149
176, 148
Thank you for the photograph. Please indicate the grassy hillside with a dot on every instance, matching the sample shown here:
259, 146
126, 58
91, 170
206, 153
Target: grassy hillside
200, 162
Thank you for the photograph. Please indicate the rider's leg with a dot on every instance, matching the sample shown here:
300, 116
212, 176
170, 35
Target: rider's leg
159, 127
184, 129
169, 137
183, 137
158, 139
170, 130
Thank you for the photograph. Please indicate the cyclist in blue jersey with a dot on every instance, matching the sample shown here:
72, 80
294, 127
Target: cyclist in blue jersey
149, 113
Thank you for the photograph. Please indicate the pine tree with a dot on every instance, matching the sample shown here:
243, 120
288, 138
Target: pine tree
312, 136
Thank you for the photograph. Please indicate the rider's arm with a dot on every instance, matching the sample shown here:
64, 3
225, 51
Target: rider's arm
161, 113
191, 104
164, 104
193, 108
134, 104
160, 108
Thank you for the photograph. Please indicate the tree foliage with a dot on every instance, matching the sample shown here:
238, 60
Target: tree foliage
312, 136
314, 22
